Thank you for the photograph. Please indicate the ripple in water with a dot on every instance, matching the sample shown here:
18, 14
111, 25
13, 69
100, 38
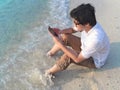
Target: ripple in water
4, 2
15, 17
20, 69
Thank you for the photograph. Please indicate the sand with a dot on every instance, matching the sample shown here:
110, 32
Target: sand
108, 77
25, 70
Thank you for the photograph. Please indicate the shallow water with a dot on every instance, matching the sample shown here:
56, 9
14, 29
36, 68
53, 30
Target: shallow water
25, 41
15, 17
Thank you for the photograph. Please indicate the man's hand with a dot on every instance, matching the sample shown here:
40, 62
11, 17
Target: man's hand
56, 30
67, 30
57, 41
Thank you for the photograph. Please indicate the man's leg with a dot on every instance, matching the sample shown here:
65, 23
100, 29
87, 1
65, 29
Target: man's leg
68, 40
64, 61
60, 65
75, 43
87, 63
54, 49
72, 41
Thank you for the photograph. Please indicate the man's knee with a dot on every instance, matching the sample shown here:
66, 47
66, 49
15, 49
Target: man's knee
65, 37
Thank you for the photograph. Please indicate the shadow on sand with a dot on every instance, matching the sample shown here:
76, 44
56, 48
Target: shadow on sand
113, 62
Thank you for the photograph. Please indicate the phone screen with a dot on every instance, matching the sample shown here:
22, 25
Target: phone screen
52, 31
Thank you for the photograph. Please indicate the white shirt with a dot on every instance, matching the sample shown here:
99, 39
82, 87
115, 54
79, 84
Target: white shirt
95, 43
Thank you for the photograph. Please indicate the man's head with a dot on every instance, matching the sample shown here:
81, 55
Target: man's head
83, 15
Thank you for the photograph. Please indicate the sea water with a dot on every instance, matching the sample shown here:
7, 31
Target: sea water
24, 41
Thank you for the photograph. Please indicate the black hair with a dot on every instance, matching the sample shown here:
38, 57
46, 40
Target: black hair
84, 14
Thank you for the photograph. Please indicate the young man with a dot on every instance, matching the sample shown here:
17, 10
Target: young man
91, 50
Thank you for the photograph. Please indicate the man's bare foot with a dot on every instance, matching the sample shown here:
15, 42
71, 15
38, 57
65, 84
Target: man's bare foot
46, 78
50, 54
48, 74
52, 51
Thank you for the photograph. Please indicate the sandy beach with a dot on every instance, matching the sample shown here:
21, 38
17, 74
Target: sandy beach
108, 77
24, 63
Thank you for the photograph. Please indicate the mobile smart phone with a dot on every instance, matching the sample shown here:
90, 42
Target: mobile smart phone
52, 31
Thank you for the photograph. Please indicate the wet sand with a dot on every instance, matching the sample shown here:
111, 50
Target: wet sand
82, 78
108, 77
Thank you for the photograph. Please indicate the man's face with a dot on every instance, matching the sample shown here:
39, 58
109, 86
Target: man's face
78, 26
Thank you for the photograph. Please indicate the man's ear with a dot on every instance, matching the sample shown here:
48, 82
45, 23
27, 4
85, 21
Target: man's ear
87, 24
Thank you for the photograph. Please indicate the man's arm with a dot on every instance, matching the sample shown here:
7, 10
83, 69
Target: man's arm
69, 52
68, 30
72, 54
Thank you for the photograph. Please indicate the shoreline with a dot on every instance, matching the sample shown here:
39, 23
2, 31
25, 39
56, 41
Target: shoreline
106, 78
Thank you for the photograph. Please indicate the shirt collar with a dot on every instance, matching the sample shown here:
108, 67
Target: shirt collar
92, 29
